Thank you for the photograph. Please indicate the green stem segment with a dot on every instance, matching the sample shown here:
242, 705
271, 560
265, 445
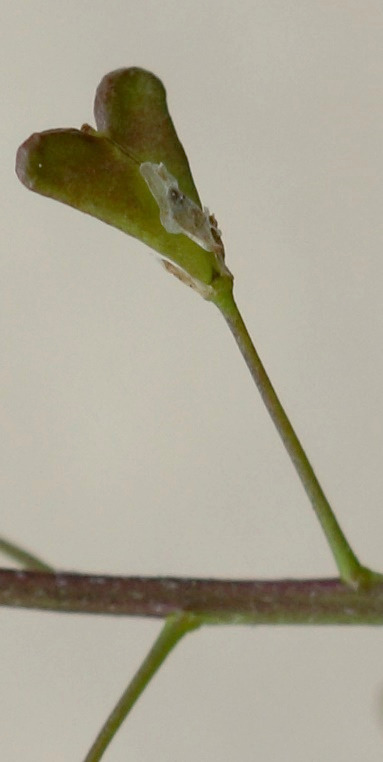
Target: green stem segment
24, 557
350, 569
174, 629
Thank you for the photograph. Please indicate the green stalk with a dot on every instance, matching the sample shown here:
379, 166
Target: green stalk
24, 557
350, 569
174, 629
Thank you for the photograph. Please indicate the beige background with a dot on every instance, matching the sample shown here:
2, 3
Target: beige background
133, 439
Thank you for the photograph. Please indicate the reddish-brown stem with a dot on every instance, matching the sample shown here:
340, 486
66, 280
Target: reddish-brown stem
216, 601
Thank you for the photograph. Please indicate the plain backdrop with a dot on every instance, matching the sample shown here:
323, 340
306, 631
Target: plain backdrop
133, 440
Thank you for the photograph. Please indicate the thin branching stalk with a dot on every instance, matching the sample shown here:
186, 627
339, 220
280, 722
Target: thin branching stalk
24, 557
174, 629
349, 567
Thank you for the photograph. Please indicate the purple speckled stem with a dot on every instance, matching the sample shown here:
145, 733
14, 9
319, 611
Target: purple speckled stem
216, 601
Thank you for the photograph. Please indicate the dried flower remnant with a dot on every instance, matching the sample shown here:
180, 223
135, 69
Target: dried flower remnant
179, 214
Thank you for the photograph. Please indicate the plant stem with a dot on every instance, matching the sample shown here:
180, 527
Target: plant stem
350, 569
213, 601
174, 629
22, 556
